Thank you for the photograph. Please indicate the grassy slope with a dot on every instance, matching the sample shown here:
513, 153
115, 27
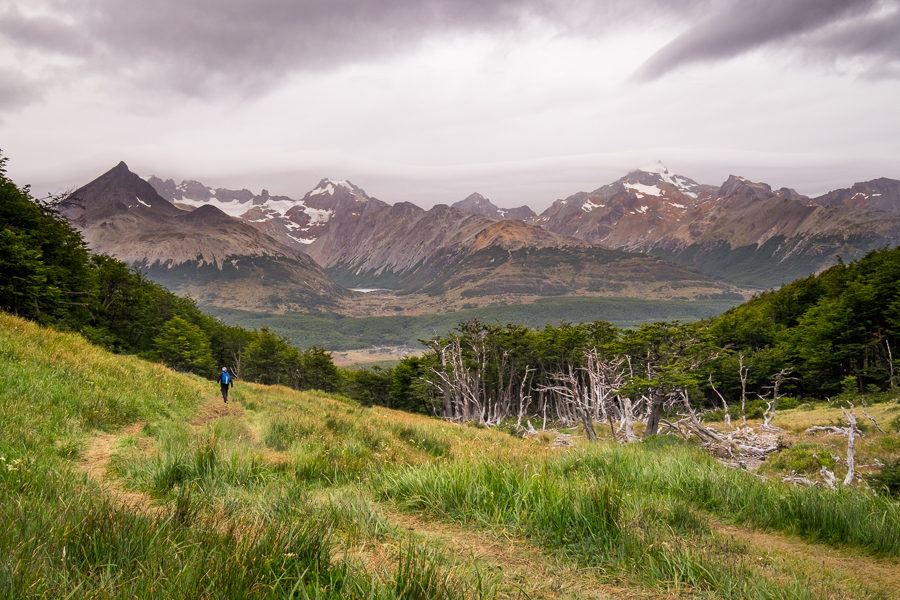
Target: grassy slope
285, 493
342, 333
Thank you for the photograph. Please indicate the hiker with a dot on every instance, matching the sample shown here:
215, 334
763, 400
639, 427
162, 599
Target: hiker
226, 380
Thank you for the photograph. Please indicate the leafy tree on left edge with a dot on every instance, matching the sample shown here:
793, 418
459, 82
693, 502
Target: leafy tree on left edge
45, 272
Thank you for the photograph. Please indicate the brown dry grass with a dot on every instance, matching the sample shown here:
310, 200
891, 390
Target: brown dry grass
843, 570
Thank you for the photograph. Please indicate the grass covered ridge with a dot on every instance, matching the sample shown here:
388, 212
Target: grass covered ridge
119, 478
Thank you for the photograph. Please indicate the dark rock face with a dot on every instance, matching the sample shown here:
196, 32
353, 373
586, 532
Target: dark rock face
476, 204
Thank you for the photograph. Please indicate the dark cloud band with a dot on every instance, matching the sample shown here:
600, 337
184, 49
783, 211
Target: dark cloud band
741, 26
209, 47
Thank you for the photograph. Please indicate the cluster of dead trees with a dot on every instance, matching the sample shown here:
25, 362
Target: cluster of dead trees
623, 379
636, 383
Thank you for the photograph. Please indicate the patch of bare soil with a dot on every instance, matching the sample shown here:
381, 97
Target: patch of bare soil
94, 464
873, 574
216, 409
525, 571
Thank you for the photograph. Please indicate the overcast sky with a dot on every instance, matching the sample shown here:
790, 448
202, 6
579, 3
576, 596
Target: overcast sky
427, 101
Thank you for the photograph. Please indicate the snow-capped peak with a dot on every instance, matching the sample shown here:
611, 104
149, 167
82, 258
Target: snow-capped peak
329, 186
663, 175
659, 168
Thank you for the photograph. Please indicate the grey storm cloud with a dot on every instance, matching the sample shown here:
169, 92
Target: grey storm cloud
207, 46
826, 27
16, 90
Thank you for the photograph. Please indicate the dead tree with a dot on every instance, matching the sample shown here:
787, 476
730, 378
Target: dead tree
722, 398
605, 378
851, 431
743, 372
772, 405
524, 399
573, 398
460, 386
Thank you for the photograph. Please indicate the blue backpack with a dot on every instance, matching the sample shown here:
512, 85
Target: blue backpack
226, 378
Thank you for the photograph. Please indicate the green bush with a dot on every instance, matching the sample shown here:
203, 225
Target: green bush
887, 481
806, 458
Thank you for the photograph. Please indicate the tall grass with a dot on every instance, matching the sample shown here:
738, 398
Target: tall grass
60, 541
843, 516
61, 537
229, 494
634, 511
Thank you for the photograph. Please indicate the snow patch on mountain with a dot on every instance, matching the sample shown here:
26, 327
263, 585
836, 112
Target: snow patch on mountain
642, 190
588, 206
328, 186
682, 184
232, 208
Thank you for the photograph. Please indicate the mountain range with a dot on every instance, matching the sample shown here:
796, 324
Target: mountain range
651, 234
217, 259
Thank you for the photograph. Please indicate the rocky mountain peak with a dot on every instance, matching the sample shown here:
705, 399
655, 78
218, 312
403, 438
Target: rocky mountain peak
117, 191
736, 185
878, 194
337, 187
476, 204
654, 181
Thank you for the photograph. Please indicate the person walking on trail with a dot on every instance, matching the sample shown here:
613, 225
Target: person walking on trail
225, 381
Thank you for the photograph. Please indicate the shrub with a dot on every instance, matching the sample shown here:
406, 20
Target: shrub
887, 481
805, 458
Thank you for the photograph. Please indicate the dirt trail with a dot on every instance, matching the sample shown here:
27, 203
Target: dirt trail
94, 463
96, 457
526, 571
877, 574
216, 409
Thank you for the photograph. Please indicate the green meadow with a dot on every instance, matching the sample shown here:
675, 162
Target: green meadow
120, 478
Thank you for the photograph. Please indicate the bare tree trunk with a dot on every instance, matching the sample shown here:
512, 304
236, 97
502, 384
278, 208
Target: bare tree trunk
890, 361
851, 445
769, 415
628, 418
656, 407
743, 372
722, 398
237, 361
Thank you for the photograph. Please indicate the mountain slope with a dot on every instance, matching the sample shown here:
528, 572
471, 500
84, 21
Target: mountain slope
217, 259
741, 231
442, 252
877, 194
